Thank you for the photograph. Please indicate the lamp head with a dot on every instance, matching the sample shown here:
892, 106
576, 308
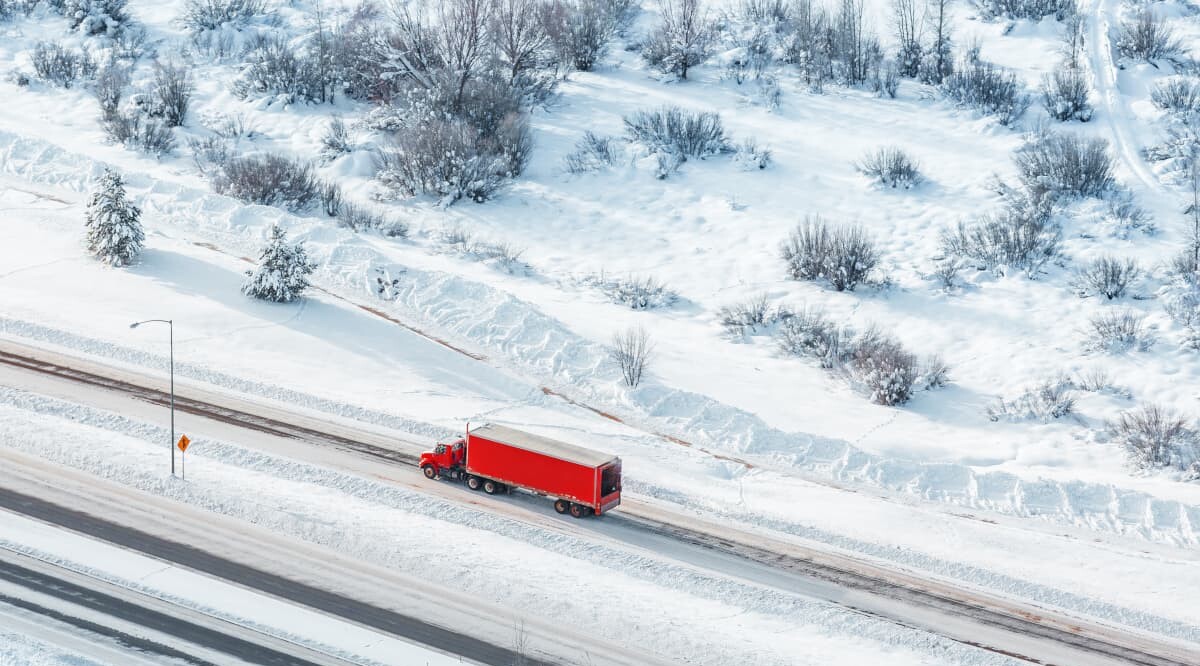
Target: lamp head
134, 324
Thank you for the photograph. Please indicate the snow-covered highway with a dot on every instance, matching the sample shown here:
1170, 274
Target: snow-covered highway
724, 555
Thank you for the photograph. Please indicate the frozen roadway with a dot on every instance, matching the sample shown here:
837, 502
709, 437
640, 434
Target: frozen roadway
99, 609
390, 602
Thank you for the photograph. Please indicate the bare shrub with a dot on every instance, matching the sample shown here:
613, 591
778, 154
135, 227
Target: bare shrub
1020, 236
505, 256
881, 364
1129, 217
580, 30
592, 153
445, 158
844, 255
889, 80
210, 154
989, 88
269, 180
682, 40
1065, 95
871, 359
1066, 164
331, 197
673, 130
891, 167
172, 92
1029, 9
1107, 276
810, 333
110, 88
667, 164
201, 15
1147, 37
335, 141
94, 17
1178, 94
1118, 331
1052, 398
1183, 307
234, 126
274, 67
135, 131
765, 12
632, 351
946, 273
638, 293
359, 218
749, 156
1154, 436
10, 8
55, 63
751, 316
935, 373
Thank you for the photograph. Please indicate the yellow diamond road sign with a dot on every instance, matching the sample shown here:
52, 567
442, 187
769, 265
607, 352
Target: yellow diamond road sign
183, 442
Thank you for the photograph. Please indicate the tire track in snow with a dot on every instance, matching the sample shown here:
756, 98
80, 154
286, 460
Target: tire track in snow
1104, 76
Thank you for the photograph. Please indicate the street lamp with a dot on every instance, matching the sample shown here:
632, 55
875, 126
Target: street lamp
171, 330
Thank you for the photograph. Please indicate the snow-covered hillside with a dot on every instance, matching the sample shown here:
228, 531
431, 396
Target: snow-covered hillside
764, 388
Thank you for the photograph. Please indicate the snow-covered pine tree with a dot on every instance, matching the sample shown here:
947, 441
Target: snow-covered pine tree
283, 270
114, 227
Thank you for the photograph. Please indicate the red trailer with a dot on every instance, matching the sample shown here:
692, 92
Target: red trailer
496, 459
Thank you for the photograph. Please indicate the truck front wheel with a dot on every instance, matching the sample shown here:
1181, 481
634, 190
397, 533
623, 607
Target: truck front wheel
429, 471
561, 506
473, 482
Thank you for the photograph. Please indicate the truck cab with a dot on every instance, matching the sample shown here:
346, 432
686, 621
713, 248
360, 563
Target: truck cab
447, 459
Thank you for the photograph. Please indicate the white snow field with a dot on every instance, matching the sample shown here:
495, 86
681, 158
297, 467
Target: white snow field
414, 335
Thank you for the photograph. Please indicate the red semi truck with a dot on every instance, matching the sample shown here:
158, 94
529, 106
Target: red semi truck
497, 459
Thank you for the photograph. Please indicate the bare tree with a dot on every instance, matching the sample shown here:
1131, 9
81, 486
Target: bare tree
464, 37
1187, 263
632, 351
939, 61
910, 31
856, 49
1072, 40
682, 39
453, 42
519, 34
172, 92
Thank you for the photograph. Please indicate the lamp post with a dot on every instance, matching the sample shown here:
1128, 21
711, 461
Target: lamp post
171, 332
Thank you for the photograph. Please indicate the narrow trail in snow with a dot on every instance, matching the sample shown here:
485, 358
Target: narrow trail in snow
1102, 17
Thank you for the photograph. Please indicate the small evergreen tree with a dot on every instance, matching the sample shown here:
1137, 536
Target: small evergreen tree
114, 228
283, 270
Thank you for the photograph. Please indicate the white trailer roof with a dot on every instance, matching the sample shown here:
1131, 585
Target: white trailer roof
543, 445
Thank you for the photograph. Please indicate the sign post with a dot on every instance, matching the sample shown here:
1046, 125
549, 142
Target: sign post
183, 444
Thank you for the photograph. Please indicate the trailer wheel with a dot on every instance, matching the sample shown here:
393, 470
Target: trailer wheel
429, 472
491, 487
580, 511
474, 482
561, 506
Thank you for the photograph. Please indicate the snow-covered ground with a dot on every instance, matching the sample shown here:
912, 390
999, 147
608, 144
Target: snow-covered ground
774, 442
147, 576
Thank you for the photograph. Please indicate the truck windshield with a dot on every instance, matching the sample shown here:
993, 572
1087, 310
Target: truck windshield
610, 480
